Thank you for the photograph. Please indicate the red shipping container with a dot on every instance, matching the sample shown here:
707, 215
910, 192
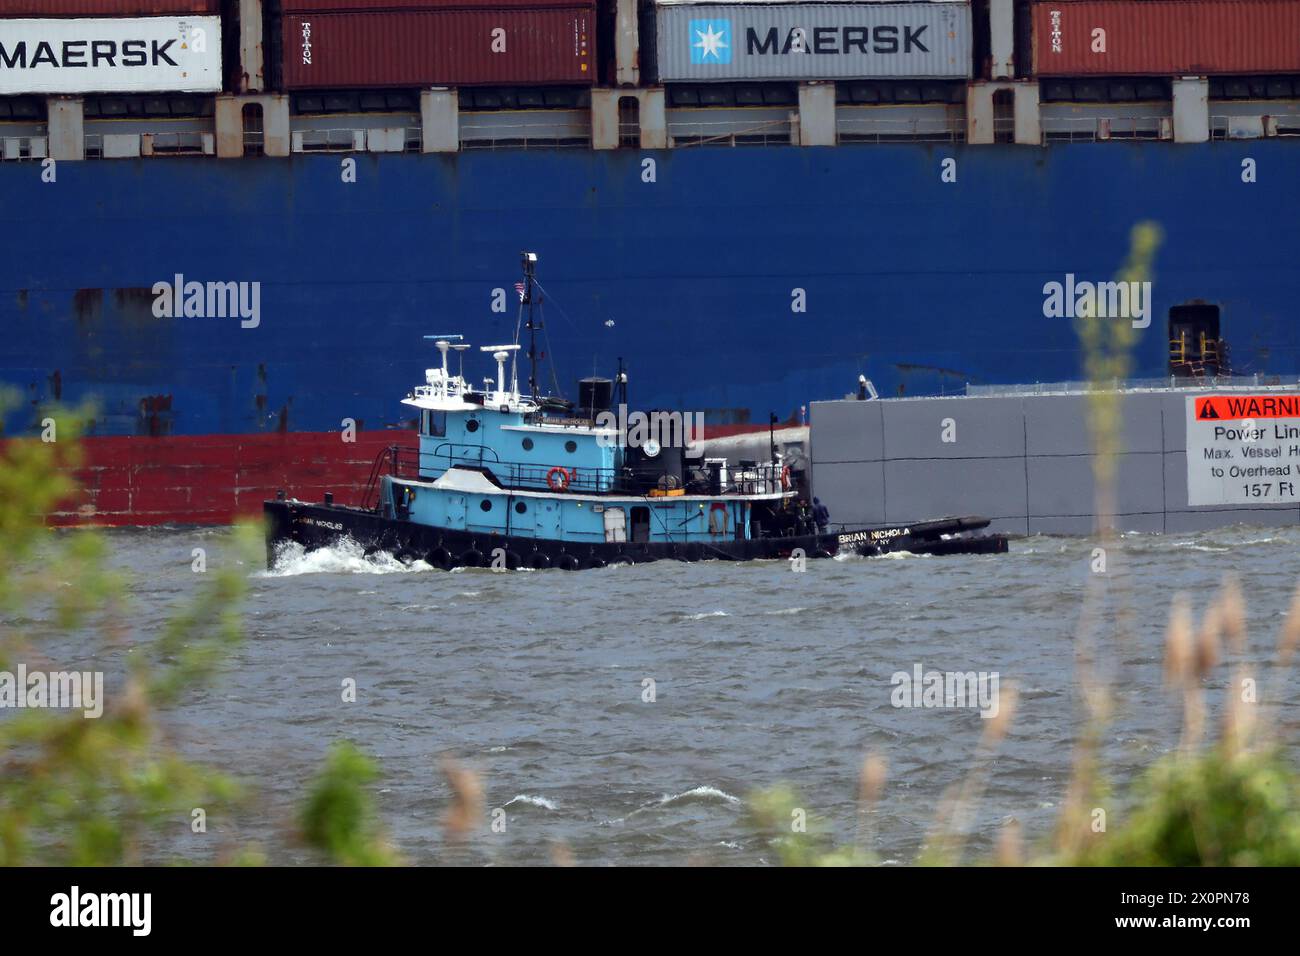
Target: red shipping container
439, 48
325, 6
1166, 37
58, 9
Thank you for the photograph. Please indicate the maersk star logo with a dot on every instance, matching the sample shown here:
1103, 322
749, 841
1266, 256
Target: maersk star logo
710, 41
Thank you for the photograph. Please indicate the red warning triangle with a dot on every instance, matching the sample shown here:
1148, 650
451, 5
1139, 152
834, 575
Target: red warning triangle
1207, 410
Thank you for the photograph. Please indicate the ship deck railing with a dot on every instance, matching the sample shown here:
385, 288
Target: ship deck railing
24, 147
525, 129
1254, 126
1089, 129
1180, 383
863, 124
773, 132
125, 145
753, 479
385, 139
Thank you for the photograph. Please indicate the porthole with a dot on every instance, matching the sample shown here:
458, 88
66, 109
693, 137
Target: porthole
570, 446
520, 507
528, 444
485, 504
471, 425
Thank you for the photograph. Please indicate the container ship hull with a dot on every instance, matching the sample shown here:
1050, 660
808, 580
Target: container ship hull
746, 281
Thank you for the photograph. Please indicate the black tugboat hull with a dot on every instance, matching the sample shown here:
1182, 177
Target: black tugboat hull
314, 526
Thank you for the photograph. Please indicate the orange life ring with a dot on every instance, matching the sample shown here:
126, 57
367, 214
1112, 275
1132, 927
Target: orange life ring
557, 479
785, 478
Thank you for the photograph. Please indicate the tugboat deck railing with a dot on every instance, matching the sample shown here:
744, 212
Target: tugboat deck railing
756, 479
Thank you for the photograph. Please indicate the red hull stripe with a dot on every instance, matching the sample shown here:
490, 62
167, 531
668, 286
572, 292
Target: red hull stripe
214, 479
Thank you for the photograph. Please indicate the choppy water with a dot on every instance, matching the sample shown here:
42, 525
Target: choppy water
535, 679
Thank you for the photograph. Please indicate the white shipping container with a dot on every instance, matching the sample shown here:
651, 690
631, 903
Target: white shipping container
812, 41
117, 55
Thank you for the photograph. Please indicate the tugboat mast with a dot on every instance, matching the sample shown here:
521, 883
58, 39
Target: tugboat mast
529, 261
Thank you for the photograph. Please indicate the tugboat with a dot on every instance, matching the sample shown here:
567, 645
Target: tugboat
509, 480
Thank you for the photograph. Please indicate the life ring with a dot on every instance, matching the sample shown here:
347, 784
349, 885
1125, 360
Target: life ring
557, 479
719, 517
785, 478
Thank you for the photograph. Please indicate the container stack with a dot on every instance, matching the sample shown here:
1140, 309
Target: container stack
333, 44
1166, 37
109, 46
727, 42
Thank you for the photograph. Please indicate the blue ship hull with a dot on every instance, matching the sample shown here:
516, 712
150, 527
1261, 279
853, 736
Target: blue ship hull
922, 285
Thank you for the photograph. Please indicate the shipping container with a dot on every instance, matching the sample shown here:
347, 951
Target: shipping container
811, 41
352, 6
107, 8
1166, 37
120, 55
439, 47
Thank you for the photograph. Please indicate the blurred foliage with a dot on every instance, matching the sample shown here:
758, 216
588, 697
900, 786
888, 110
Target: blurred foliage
339, 818
778, 817
1217, 809
98, 791
1107, 348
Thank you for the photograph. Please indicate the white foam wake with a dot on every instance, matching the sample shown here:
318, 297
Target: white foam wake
533, 801
705, 615
346, 556
698, 793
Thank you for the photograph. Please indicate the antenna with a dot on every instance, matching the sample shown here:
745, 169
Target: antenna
529, 262
620, 383
461, 349
500, 353
442, 343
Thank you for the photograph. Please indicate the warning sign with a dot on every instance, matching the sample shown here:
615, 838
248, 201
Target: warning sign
1238, 407
1243, 449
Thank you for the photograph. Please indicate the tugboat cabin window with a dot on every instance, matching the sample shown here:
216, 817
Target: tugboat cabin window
485, 504
433, 424
471, 425
528, 444
570, 446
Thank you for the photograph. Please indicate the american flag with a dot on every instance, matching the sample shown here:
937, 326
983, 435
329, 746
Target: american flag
519, 287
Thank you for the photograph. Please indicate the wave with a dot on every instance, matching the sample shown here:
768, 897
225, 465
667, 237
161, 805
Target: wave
698, 795
703, 615
703, 794
345, 556
533, 801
